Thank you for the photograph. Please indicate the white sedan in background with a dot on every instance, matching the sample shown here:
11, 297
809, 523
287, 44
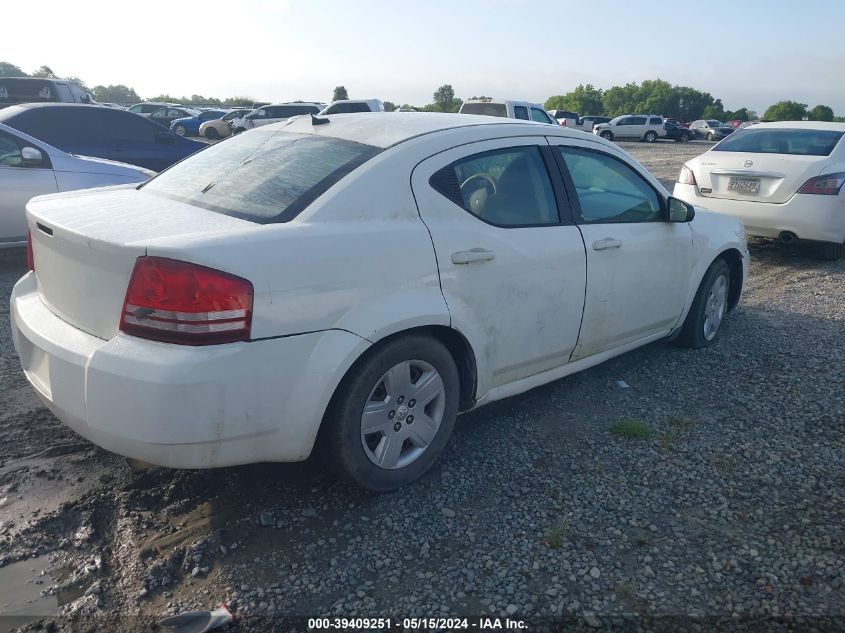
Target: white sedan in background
29, 167
352, 284
783, 180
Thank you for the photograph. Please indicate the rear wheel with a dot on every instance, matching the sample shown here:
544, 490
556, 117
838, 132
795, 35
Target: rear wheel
393, 414
650, 137
831, 251
701, 328
212, 134
607, 135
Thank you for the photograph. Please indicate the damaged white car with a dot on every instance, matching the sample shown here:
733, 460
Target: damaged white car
351, 283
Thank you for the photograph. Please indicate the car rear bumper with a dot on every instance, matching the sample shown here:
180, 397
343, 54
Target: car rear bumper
815, 218
180, 406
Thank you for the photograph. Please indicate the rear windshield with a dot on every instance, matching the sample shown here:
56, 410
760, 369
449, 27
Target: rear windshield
781, 141
263, 177
487, 109
14, 90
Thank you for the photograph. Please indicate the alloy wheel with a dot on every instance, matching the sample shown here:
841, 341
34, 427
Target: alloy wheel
714, 308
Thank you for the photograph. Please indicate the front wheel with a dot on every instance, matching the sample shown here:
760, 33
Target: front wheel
650, 137
684, 138
607, 135
393, 414
180, 130
708, 309
212, 134
710, 137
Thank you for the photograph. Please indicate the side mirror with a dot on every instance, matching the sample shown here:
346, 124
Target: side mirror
32, 157
680, 211
166, 138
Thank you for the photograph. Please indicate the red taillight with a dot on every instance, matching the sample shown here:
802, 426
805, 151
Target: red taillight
827, 185
686, 177
178, 302
30, 258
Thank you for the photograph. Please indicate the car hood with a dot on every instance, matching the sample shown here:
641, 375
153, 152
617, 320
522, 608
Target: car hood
95, 165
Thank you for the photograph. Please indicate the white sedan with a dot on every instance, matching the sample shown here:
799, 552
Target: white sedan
29, 167
783, 180
352, 283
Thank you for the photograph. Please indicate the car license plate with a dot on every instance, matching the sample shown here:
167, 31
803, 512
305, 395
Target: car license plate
744, 185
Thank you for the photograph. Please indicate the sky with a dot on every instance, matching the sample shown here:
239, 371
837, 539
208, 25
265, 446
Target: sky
749, 54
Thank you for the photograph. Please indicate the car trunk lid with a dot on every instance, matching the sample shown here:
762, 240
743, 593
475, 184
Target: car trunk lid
84, 258
755, 177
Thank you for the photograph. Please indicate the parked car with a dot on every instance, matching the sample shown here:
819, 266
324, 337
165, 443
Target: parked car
564, 117
466, 276
522, 110
16, 90
587, 123
677, 133
221, 128
111, 105
710, 129
783, 180
645, 127
101, 132
165, 116
676, 123
148, 107
190, 126
30, 167
348, 106
272, 114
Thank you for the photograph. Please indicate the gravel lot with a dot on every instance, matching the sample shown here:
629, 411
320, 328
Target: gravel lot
724, 512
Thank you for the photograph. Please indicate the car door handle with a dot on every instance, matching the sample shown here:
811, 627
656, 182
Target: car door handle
472, 255
606, 243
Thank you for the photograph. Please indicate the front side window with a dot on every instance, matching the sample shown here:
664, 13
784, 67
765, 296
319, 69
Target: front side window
520, 112
636, 120
539, 116
506, 187
136, 109
10, 152
234, 115
148, 108
159, 114
263, 177
625, 121
655, 121
609, 190
781, 141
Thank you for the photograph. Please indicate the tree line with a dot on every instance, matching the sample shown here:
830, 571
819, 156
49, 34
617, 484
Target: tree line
651, 96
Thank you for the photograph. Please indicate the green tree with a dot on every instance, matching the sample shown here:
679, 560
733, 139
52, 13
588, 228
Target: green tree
620, 99
821, 113
786, 111
115, 94
238, 101
45, 72
10, 70
743, 114
389, 106
78, 82
444, 99
714, 111
340, 94
583, 100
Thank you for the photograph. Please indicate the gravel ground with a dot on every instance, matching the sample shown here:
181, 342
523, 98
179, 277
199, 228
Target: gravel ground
721, 508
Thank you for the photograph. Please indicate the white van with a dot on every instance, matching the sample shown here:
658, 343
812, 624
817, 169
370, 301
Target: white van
507, 109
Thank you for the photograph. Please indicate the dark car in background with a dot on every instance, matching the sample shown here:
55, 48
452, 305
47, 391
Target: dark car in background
16, 90
190, 125
90, 130
710, 129
167, 115
677, 133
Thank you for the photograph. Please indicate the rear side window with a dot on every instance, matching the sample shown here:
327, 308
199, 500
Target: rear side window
520, 112
782, 141
506, 187
539, 116
262, 177
485, 109
636, 120
655, 121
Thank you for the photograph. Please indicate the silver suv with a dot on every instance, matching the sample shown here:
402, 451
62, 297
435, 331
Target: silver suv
645, 127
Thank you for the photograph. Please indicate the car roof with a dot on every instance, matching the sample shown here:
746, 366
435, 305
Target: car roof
386, 129
802, 125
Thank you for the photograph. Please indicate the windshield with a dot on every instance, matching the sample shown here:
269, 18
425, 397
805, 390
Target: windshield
261, 176
714, 123
781, 141
486, 109
236, 114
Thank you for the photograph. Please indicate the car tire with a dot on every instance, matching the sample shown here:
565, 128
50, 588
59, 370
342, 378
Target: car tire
710, 136
212, 134
684, 138
180, 130
831, 251
379, 382
709, 307
650, 137
607, 135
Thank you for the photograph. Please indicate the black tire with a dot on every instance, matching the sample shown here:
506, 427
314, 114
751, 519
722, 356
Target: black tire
831, 251
692, 332
341, 437
212, 134
607, 135
650, 136
684, 138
